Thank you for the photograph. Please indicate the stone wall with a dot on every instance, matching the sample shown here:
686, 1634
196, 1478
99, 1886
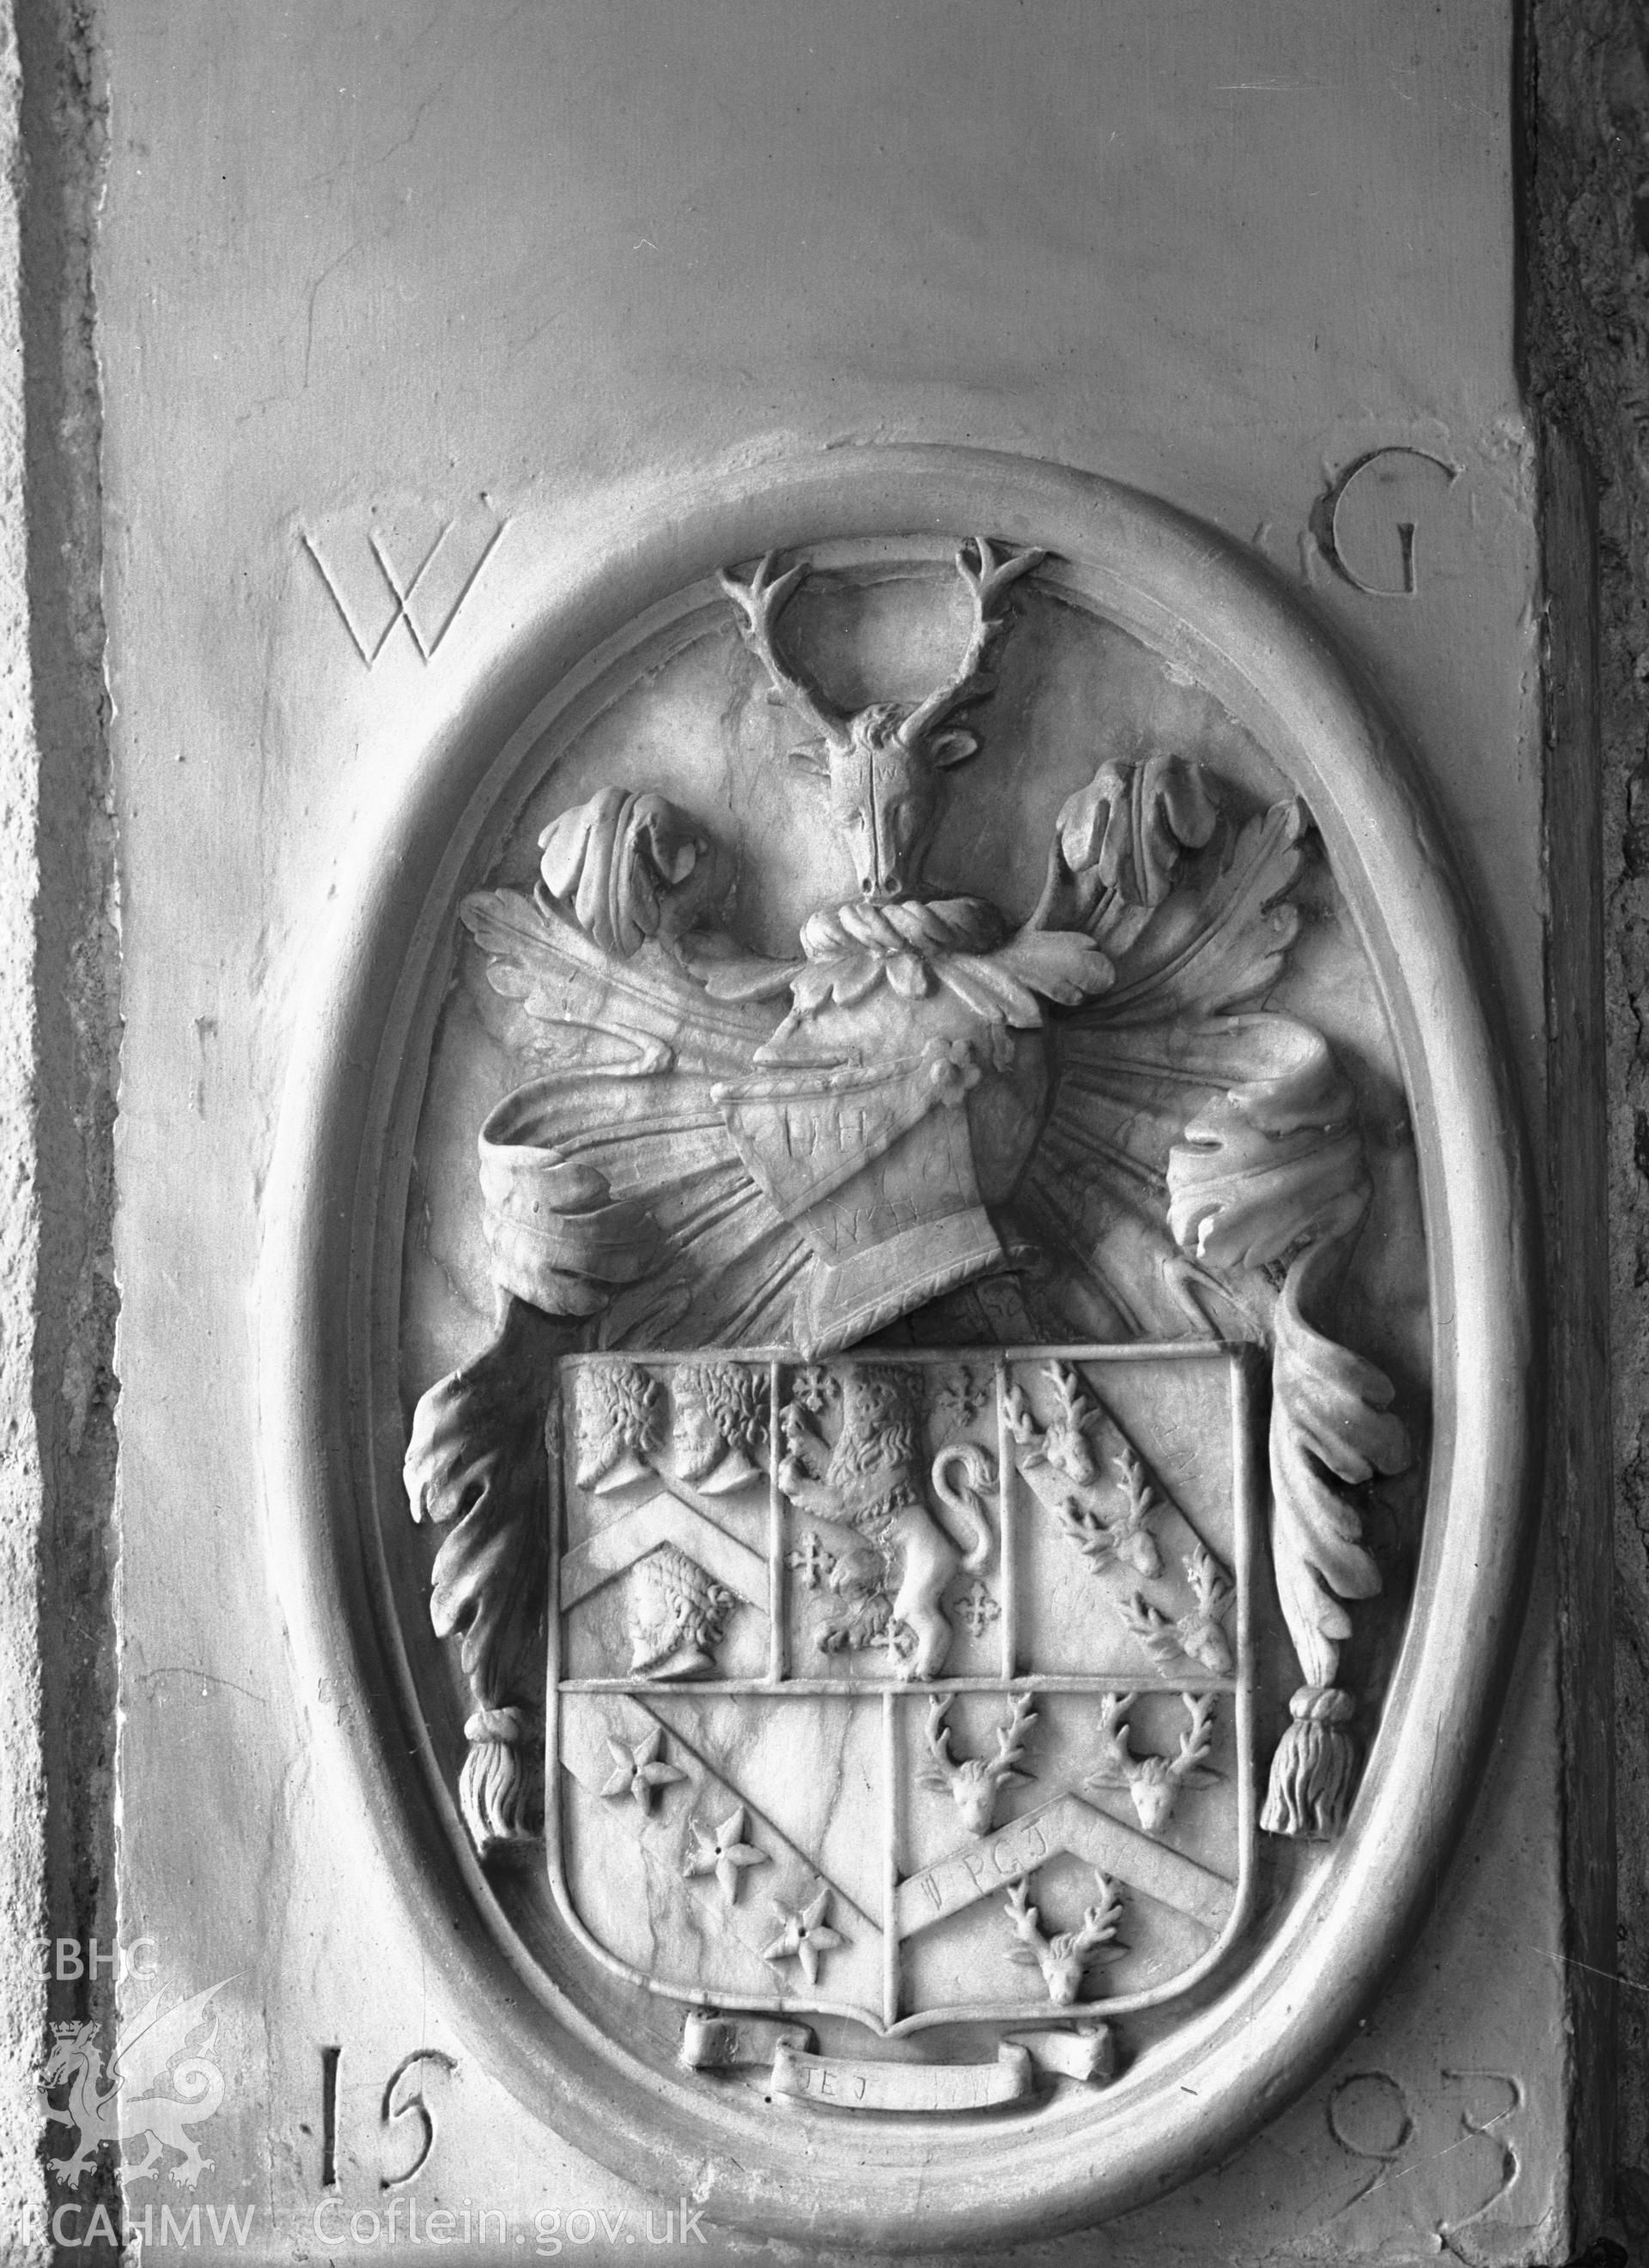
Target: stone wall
59, 1031
1587, 341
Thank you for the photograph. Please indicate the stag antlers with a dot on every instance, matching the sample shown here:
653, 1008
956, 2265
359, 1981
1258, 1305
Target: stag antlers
972, 1782
1153, 1783
1127, 1537
1064, 1445
986, 587
761, 601
1199, 1635
1064, 1960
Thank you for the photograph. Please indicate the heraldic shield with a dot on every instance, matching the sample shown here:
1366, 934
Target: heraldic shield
895, 1692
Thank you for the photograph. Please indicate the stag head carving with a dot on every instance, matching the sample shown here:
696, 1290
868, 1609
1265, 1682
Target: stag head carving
973, 1783
884, 763
1064, 1960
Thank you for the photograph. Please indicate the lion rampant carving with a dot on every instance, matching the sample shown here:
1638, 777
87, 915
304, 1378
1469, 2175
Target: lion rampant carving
870, 1484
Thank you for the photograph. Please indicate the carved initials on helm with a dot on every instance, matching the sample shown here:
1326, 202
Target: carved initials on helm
883, 762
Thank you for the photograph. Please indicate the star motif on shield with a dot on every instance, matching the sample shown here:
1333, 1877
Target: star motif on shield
640, 1772
804, 1935
725, 1854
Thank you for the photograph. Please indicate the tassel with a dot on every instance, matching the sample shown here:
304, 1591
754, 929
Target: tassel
501, 1796
1314, 1768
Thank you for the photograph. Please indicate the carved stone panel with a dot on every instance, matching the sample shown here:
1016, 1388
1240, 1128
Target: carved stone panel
907, 1373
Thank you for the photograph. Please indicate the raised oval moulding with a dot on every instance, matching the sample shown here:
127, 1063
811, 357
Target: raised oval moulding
1098, 1456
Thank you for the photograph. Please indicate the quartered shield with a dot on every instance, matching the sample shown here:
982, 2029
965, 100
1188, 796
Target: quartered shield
893, 1693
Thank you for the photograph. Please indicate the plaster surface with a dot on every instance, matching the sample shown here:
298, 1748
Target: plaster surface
517, 276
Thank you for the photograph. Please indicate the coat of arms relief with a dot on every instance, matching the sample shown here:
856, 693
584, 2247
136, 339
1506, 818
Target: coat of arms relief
926, 1536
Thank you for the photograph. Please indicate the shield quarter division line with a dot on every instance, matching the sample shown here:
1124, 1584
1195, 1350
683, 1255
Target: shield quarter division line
778, 1632
892, 1808
1009, 1484
799, 1689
